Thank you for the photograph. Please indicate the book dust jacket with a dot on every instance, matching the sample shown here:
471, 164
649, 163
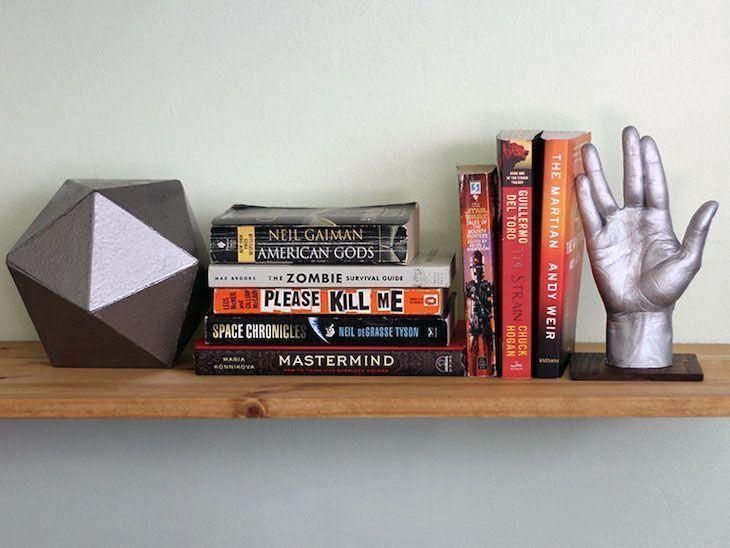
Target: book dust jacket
520, 163
478, 200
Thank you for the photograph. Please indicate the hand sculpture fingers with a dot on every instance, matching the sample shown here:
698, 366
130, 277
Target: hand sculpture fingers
655, 183
696, 234
633, 170
589, 215
599, 187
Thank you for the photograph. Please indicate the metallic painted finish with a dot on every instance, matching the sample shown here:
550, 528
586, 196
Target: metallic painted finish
128, 259
111, 273
639, 265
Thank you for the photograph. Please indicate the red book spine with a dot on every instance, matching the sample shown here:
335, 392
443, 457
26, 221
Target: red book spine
519, 159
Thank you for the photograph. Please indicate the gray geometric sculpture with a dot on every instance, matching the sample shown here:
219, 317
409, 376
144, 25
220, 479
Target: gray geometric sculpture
111, 273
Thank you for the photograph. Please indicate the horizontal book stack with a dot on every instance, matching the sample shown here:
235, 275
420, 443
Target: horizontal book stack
328, 291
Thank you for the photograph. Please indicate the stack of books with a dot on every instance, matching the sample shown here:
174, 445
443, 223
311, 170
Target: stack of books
523, 244
328, 291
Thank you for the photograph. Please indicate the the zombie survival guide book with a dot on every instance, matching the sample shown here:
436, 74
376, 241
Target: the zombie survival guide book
520, 166
561, 252
353, 235
478, 197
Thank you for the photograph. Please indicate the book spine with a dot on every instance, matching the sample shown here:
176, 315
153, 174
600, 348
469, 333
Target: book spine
477, 196
272, 275
328, 330
519, 161
383, 301
346, 244
550, 272
561, 257
252, 361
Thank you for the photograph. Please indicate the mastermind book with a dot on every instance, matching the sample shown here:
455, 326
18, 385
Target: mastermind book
306, 300
353, 235
321, 330
520, 166
446, 360
561, 252
478, 200
431, 268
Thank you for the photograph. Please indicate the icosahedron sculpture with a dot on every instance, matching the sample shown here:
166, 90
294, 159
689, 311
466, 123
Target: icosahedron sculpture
111, 273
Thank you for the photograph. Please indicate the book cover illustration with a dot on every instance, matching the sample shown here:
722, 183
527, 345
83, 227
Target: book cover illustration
561, 252
520, 164
341, 330
324, 360
303, 300
358, 235
477, 196
433, 268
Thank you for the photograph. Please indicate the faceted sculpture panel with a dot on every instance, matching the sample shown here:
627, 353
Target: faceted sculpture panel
111, 273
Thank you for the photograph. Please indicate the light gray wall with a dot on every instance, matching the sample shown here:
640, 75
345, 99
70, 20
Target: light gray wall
565, 483
326, 102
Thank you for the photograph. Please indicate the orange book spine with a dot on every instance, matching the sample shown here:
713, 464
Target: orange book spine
561, 254
380, 301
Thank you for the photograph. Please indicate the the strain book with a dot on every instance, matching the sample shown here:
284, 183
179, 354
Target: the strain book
356, 235
478, 200
520, 166
561, 252
303, 300
340, 330
325, 360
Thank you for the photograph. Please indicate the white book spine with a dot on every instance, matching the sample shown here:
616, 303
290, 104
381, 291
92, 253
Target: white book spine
275, 275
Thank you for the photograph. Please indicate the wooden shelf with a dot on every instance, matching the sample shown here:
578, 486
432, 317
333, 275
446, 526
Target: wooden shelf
30, 388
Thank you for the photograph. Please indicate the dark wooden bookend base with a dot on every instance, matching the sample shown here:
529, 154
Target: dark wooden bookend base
591, 366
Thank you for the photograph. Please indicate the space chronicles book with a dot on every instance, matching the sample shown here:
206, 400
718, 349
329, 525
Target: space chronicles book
326, 360
431, 268
520, 166
561, 252
405, 301
341, 330
353, 235
478, 192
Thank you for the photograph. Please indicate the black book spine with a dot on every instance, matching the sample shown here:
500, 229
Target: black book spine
248, 361
224, 329
345, 244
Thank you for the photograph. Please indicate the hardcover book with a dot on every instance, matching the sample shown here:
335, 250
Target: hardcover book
341, 330
355, 235
478, 200
325, 360
432, 268
304, 300
561, 252
520, 165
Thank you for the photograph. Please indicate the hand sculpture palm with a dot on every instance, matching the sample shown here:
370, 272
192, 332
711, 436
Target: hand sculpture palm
639, 266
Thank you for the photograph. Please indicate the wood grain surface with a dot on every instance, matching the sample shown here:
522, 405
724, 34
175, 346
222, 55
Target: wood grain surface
31, 388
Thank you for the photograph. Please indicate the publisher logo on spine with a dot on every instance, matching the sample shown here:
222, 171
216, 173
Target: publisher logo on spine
431, 299
444, 364
475, 188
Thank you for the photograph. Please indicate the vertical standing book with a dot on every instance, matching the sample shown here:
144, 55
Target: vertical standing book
478, 200
520, 163
561, 252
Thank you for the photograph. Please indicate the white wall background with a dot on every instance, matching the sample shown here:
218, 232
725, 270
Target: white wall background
333, 102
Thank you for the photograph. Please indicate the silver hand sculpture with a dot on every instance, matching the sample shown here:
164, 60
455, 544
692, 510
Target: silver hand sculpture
639, 266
